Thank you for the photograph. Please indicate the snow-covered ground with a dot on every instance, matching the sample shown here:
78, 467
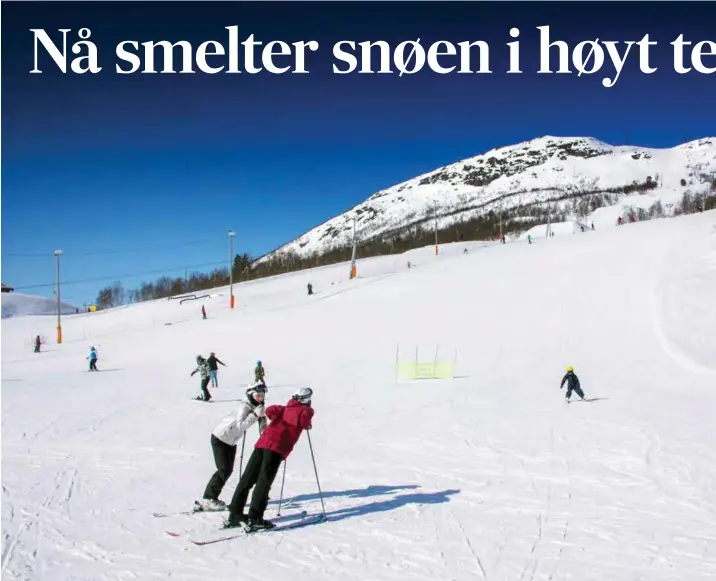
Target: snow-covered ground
486, 476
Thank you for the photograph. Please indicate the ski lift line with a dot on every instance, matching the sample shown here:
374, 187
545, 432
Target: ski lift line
120, 276
31, 254
105, 252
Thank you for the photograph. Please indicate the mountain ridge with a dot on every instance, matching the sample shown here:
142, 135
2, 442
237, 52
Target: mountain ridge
543, 170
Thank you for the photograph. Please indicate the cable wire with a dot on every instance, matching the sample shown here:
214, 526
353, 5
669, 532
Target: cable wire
106, 252
120, 276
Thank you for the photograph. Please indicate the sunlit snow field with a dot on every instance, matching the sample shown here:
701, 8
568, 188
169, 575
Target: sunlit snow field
489, 475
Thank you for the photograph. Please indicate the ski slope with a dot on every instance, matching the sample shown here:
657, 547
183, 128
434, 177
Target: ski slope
488, 476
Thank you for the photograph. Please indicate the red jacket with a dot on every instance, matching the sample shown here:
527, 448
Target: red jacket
287, 423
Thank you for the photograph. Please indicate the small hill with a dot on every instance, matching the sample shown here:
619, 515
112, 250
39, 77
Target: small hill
20, 305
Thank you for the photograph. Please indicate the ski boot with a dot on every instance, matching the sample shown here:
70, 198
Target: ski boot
258, 524
236, 520
209, 505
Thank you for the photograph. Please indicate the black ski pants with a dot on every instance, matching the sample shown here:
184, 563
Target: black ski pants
224, 456
204, 382
260, 471
576, 389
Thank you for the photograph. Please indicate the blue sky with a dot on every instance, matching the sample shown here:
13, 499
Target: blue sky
133, 174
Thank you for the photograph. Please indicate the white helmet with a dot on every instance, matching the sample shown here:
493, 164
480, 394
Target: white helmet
256, 387
303, 395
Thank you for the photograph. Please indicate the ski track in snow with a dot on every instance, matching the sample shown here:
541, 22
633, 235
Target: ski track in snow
491, 477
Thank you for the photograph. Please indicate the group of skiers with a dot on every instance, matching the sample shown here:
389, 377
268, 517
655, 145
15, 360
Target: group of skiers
92, 357
280, 427
208, 369
276, 441
621, 221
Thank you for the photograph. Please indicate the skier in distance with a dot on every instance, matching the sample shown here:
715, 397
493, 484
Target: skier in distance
214, 368
572, 384
203, 368
259, 373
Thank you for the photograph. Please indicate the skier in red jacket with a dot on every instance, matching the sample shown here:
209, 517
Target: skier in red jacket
273, 447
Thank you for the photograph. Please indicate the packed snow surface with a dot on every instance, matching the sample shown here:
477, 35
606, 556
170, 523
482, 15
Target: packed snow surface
489, 475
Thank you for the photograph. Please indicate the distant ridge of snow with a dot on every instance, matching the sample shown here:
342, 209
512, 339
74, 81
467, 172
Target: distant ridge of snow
531, 172
20, 305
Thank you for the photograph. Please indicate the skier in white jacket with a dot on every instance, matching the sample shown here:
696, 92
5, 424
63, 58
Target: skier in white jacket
224, 440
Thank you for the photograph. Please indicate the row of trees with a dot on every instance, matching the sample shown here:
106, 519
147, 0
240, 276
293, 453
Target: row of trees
115, 294
697, 202
690, 203
421, 233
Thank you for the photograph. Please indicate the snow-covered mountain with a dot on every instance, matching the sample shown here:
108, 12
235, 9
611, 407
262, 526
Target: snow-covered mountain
19, 305
542, 170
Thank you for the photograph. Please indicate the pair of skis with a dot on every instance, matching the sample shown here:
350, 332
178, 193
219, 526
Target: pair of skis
304, 520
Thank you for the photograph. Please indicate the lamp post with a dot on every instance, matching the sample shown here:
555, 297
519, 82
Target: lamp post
231, 268
59, 322
436, 226
353, 255
502, 239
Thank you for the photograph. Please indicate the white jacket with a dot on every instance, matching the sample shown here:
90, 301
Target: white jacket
232, 427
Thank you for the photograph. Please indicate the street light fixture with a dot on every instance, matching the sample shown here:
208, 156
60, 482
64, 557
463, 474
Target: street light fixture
59, 322
231, 268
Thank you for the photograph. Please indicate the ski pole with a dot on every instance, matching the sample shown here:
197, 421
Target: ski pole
241, 459
280, 499
316, 471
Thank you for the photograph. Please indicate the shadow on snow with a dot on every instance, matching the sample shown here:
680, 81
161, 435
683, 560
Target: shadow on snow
377, 505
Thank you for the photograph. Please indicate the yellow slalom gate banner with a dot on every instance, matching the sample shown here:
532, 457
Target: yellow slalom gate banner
425, 369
